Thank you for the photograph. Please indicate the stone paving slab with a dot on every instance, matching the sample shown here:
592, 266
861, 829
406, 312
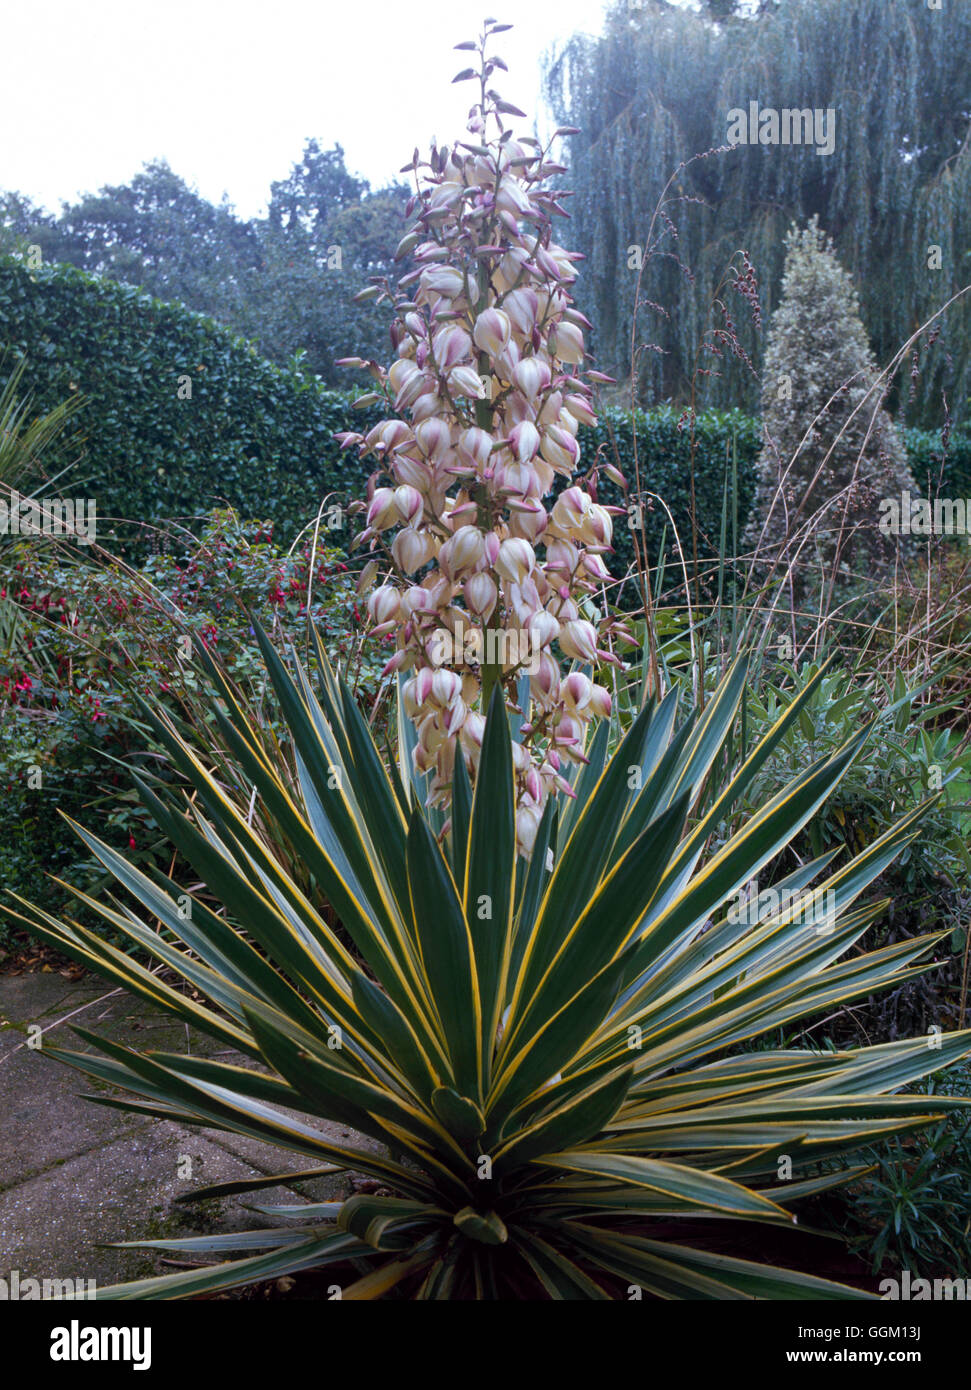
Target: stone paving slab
74, 1174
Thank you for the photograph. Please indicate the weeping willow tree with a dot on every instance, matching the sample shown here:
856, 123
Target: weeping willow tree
653, 97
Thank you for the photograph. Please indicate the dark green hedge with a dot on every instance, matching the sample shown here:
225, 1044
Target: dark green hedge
261, 437
950, 479
255, 435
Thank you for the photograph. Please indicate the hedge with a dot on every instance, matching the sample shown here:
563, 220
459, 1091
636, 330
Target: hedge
180, 414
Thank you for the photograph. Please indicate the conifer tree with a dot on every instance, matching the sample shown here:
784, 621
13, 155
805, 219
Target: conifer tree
830, 449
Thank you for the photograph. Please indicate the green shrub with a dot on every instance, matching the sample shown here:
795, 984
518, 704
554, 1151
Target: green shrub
91, 638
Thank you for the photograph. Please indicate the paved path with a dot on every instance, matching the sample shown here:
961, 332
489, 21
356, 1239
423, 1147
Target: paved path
74, 1174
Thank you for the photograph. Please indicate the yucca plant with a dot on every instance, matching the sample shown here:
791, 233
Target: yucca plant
548, 1050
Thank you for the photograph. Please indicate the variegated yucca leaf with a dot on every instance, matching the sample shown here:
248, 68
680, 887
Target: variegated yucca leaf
547, 1052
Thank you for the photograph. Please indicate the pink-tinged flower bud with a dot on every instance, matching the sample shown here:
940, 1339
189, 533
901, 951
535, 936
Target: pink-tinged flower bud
414, 472
482, 170
560, 450
615, 476
544, 474
570, 508
417, 599
394, 433
567, 425
384, 604
451, 345
580, 410
431, 735
409, 697
408, 501
527, 519
465, 381
527, 827
492, 549
597, 527
576, 691
481, 595
561, 558
446, 687
398, 662
381, 512
473, 730
455, 717
508, 270
423, 686
564, 259
512, 197
567, 343
415, 387
367, 576
416, 325
578, 639
545, 682
401, 372
428, 406
595, 567
433, 438
534, 787
568, 732
507, 361
462, 515
525, 441
492, 330
524, 600
412, 549
374, 439
515, 560
522, 306
600, 701
550, 409
445, 195
531, 375
518, 480
443, 280
547, 264
543, 628
468, 549
475, 446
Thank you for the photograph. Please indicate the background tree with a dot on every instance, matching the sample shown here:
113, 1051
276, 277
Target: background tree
316, 189
287, 281
656, 89
159, 233
830, 451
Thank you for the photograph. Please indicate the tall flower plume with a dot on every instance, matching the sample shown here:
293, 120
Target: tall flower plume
488, 580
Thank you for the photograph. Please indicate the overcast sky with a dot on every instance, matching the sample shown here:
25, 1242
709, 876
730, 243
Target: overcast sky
228, 90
